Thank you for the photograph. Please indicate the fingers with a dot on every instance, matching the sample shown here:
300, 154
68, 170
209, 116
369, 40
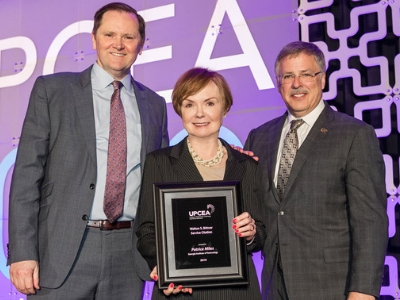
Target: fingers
25, 276
177, 290
172, 290
169, 290
242, 217
247, 152
245, 226
23, 285
36, 279
237, 148
154, 274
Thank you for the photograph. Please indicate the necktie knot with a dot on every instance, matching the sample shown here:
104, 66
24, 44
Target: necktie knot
295, 124
117, 85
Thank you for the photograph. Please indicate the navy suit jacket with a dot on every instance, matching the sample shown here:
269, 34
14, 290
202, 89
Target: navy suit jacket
55, 173
331, 226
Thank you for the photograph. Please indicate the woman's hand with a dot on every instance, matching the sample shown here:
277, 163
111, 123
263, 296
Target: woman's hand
245, 226
171, 288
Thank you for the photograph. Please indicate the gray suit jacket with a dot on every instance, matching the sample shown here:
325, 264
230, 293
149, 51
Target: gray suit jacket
331, 226
55, 173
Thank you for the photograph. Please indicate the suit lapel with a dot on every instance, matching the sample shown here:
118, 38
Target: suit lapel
272, 151
144, 119
317, 132
183, 164
83, 97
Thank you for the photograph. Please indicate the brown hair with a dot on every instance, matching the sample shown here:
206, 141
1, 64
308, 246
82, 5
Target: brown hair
194, 80
119, 6
295, 48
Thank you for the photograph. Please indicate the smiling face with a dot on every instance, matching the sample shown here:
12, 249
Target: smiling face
202, 113
301, 97
117, 42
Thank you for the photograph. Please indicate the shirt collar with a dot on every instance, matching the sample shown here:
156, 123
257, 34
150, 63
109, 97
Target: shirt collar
104, 79
311, 117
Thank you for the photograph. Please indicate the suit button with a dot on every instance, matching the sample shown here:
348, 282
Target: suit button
91, 186
85, 217
281, 213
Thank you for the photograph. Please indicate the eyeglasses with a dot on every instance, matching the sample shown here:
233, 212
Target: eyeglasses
305, 77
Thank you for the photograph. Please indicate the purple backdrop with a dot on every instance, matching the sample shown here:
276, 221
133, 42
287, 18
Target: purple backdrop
239, 38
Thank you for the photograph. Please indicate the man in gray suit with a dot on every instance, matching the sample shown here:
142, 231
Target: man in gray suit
327, 230
61, 245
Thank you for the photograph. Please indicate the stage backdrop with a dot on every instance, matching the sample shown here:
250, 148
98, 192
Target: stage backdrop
238, 38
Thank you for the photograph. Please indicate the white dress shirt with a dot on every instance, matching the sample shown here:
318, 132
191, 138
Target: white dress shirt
302, 132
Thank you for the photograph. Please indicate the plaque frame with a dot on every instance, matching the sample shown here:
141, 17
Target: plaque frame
164, 194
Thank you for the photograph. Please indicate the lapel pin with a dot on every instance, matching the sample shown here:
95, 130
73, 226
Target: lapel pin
324, 130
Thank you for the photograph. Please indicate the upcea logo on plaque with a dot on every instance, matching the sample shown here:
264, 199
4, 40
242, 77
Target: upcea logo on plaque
206, 213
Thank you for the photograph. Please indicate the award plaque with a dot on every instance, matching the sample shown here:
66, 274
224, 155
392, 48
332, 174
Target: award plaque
196, 245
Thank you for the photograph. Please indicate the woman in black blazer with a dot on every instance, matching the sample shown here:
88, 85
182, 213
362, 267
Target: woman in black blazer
202, 98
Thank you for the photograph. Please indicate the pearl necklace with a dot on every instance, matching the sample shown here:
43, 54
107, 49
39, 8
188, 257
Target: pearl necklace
216, 160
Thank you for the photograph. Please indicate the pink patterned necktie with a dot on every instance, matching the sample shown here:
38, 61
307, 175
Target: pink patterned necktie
114, 193
289, 151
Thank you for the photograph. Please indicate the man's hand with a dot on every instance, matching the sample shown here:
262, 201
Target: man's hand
25, 276
359, 296
247, 152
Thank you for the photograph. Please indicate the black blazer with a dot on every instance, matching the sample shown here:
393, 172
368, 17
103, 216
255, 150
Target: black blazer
174, 164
